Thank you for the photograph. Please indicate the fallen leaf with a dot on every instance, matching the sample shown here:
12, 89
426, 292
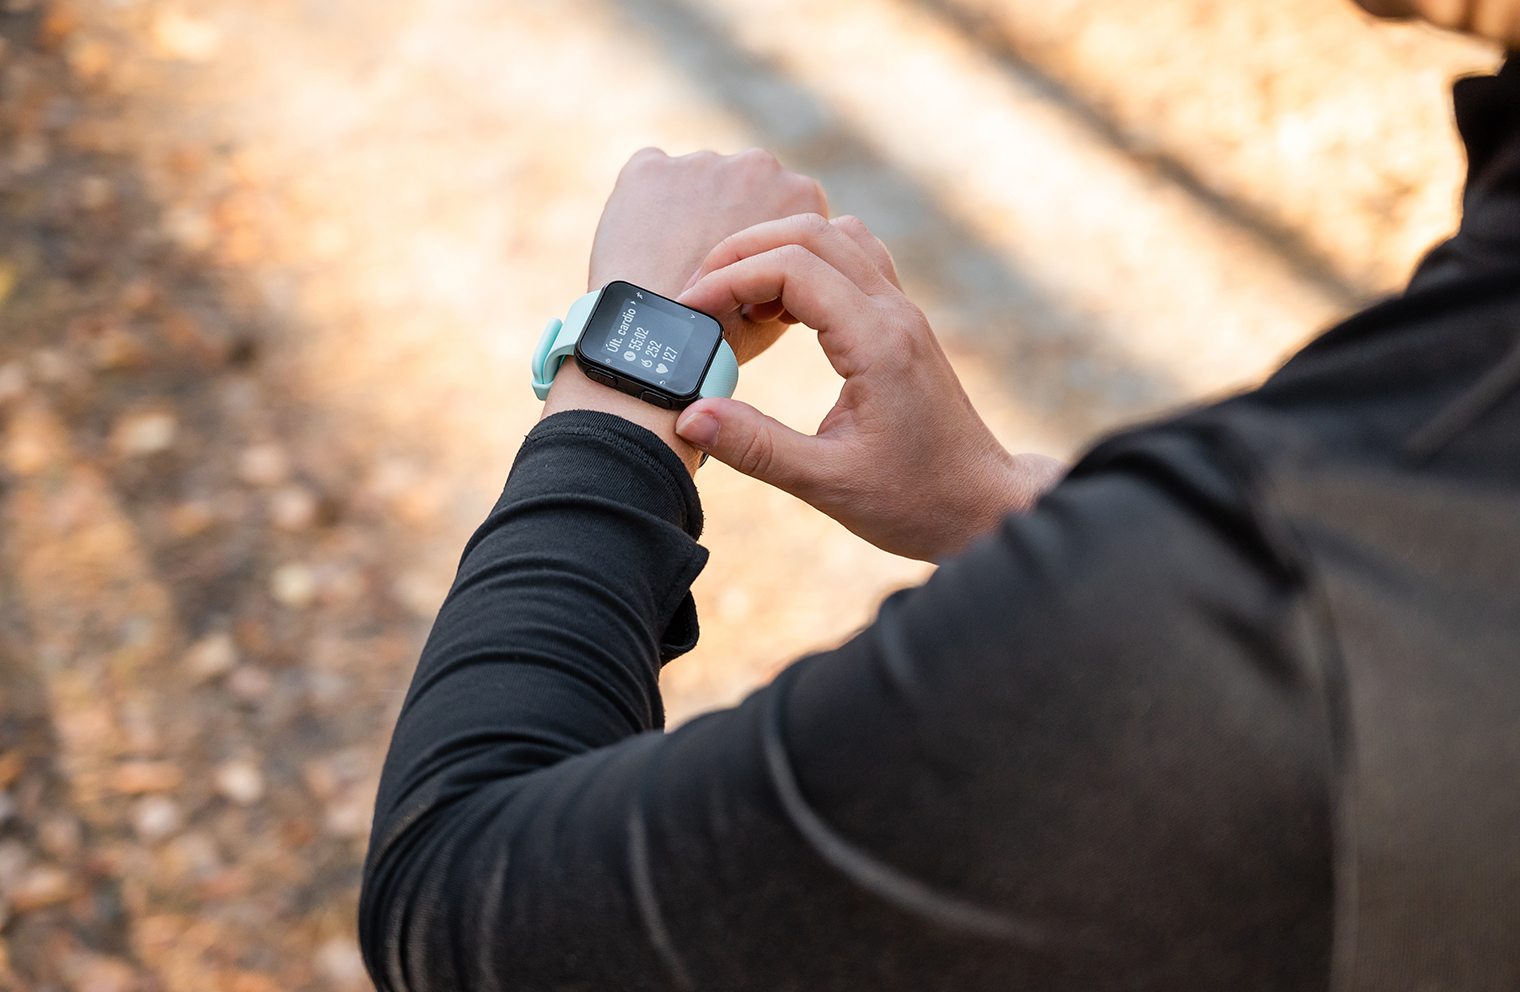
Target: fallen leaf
95, 193
241, 782
292, 508
58, 23
252, 981
136, 777
350, 817
340, 962
192, 518
293, 585
90, 60
149, 433
12, 764
210, 657
249, 683
225, 884
103, 974
60, 836
185, 38
42, 886
263, 465
156, 818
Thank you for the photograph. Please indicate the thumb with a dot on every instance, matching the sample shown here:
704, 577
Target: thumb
745, 439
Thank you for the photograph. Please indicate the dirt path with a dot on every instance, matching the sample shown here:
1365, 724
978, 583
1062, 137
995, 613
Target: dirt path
269, 272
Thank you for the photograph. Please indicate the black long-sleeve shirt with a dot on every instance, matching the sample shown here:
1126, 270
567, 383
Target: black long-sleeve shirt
1234, 707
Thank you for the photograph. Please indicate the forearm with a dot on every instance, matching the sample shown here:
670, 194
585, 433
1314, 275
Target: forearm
568, 600
1078, 747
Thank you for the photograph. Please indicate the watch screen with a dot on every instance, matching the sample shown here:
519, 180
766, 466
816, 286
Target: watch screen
639, 335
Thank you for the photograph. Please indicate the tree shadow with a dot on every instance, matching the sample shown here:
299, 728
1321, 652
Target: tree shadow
39, 828
155, 476
1305, 260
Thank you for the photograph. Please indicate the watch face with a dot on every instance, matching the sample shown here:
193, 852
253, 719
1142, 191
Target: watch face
640, 336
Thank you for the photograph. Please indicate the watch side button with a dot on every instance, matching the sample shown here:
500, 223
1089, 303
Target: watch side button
601, 377
657, 400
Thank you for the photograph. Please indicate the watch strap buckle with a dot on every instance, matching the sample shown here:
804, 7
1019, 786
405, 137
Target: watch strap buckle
558, 342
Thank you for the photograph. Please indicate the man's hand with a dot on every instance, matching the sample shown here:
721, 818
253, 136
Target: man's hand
664, 215
903, 460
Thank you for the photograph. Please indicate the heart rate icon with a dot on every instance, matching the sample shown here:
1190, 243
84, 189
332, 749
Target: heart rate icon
662, 368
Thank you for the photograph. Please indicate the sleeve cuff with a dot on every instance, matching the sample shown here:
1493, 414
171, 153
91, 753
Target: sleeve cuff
641, 471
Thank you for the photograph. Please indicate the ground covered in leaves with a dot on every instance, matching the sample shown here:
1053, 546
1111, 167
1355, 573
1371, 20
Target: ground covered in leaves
187, 760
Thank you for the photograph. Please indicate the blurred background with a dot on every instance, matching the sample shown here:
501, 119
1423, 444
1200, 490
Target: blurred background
270, 272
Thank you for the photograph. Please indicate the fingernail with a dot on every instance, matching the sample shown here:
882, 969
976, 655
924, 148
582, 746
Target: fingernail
700, 430
745, 310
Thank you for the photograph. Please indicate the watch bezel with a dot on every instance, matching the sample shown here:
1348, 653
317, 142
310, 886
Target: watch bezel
629, 384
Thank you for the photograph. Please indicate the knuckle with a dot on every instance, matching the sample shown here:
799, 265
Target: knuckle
756, 155
791, 254
757, 455
812, 224
728, 248
646, 162
647, 154
903, 315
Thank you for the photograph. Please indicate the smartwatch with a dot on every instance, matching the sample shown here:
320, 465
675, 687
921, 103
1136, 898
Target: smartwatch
641, 343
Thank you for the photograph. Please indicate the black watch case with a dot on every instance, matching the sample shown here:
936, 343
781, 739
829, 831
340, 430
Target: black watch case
648, 346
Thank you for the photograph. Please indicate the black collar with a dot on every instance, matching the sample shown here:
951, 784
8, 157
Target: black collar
1488, 117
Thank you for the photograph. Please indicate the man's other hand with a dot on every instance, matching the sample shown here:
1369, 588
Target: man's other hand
902, 460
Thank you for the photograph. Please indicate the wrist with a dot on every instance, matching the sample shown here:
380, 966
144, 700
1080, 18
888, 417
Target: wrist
1026, 478
573, 391
660, 278
1001, 484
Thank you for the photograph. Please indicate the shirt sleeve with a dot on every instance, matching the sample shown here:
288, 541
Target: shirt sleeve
1088, 754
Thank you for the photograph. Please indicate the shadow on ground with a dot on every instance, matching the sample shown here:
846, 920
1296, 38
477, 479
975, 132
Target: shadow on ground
185, 795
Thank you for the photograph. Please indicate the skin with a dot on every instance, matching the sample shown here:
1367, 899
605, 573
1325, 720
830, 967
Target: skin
903, 459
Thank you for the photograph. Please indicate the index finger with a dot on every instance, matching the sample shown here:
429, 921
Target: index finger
813, 232
808, 287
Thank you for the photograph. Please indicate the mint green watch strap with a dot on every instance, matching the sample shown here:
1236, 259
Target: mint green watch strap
722, 375
560, 336
558, 342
